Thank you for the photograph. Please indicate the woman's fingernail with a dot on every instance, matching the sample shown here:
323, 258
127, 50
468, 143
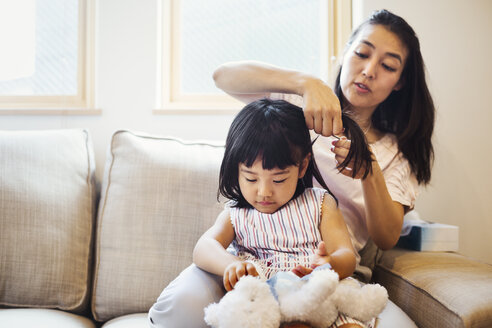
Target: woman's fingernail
332, 148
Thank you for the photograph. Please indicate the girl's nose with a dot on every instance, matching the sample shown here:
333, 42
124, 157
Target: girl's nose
264, 190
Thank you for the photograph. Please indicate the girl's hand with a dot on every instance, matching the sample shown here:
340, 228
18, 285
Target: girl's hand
340, 148
321, 108
301, 271
234, 271
320, 257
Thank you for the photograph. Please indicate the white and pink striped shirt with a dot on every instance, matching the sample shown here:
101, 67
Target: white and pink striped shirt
282, 240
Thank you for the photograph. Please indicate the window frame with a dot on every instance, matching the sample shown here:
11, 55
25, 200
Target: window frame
169, 100
83, 101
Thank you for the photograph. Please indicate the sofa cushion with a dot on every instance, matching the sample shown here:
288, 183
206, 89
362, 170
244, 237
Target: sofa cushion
47, 207
136, 320
42, 318
158, 196
438, 289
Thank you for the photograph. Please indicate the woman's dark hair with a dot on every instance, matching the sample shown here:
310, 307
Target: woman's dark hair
276, 132
409, 112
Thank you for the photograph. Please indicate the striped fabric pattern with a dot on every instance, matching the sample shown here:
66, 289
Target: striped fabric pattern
282, 240
343, 320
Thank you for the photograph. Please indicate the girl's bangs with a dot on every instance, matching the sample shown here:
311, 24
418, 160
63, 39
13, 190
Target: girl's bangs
273, 147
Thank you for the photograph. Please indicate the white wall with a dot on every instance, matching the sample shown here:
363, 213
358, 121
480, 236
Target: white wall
455, 37
456, 44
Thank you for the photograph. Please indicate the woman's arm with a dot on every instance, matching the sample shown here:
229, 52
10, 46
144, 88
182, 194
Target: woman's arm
338, 249
384, 217
250, 80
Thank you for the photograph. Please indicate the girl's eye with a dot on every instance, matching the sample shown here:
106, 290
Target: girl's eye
360, 54
279, 181
389, 68
250, 180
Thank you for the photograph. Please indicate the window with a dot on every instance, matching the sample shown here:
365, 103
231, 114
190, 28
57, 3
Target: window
197, 36
46, 62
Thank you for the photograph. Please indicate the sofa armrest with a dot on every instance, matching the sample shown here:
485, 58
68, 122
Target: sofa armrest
438, 289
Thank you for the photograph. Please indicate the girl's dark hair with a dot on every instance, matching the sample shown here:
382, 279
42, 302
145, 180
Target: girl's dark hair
276, 131
408, 113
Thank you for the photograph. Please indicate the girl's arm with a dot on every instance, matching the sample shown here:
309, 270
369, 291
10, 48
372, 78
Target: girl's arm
384, 217
210, 253
250, 80
210, 250
336, 248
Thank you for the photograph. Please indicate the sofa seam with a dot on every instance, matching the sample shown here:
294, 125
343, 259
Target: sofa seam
89, 177
92, 183
169, 138
100, 214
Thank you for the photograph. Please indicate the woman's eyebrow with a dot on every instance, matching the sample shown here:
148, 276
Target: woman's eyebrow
391, 54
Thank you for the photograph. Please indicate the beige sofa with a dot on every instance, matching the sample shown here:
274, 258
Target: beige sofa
78, 253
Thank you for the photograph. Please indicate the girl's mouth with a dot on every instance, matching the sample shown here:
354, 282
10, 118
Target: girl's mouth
265, 203
361, 87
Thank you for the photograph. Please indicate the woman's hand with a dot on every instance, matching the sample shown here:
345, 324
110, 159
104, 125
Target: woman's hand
321, 107
340, 147
234, 271
252, 80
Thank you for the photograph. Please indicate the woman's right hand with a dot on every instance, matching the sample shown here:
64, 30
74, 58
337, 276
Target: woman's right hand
322, 108
252, 80
234, 271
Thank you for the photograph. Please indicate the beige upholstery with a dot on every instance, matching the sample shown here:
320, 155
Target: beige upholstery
47, 209
135, 320
42, 318
438, 289
158, 196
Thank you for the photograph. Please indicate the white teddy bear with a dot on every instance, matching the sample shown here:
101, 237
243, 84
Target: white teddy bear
315, 299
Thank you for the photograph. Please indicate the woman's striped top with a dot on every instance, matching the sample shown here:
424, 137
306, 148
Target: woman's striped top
282, 240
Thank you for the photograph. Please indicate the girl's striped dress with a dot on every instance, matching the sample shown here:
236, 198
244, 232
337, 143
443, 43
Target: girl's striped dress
282, 240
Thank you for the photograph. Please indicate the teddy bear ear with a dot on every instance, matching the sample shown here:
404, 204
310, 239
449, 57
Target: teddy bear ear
212, 315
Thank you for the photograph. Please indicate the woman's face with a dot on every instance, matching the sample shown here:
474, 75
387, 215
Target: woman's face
372, 67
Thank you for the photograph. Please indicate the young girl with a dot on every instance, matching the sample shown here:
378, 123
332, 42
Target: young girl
275, 220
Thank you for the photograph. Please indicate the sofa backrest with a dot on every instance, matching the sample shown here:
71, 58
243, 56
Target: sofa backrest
158, 196
47, 210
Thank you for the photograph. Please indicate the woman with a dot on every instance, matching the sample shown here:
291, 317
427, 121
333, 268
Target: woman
381, 84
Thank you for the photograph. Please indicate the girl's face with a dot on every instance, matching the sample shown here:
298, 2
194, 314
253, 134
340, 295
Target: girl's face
372, 67
268, 190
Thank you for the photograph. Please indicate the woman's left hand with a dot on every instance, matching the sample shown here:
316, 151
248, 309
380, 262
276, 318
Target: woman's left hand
340, 147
